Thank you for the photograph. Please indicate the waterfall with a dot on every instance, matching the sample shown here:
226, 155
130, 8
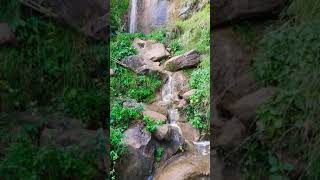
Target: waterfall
133, 16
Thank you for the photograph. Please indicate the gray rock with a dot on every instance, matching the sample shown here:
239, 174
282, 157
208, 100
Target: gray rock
230, 135
245, 108
87, 16
6, 35
188, 94
155, 115
162, 132
138, 162
228, 10
187, 60
149, 50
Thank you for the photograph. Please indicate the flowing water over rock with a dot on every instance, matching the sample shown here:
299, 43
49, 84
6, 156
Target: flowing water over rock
188, 165
133, 16
146, 15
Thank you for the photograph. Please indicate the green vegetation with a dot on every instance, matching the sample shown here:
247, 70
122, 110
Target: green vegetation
195, 33
117, 12
127, 86
288, 58
52, 69
151, 124
159, 154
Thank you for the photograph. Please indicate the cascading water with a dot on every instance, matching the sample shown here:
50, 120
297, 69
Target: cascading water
133, 16
169, 95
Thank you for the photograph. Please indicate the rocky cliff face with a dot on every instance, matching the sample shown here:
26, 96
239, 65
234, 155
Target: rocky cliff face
153, 14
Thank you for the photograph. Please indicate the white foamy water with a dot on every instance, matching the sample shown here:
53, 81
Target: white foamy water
133, 16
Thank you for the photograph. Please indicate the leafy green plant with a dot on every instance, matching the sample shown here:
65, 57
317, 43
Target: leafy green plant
25, 161
196, 31
151, 124
176, 47
117, 12
159, 154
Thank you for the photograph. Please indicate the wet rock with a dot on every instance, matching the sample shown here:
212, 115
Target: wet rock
155, 116
186, 166
188, 94
173, 143
245, 108
163, 132
138, 162
187, 60
227, 10
188, 132
6, 35
150, 50
230, 135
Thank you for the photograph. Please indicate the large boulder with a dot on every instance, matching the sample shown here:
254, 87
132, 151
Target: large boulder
187, 60
137, 164
150, 50
241, 86
87, 16
228, 10
246, 107
185, 166
230, 135
156, 107
188, 132
155, 116
135, 63
6, 35
163, 132
173, 142
231, 59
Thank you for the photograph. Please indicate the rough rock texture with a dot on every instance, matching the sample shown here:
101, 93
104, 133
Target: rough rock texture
163, 132
241, 86
227, 10
231, 59
155, 116
135, 63
157, 108
138, 162
187, 60
190, 7
173, 143
88, 16
230, 134
245, 108
188, 94
186, 166
150, 50
180, 82
188, 132
6, 35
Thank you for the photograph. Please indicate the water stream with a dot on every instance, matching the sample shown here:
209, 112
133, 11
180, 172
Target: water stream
133, 16
169, 94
